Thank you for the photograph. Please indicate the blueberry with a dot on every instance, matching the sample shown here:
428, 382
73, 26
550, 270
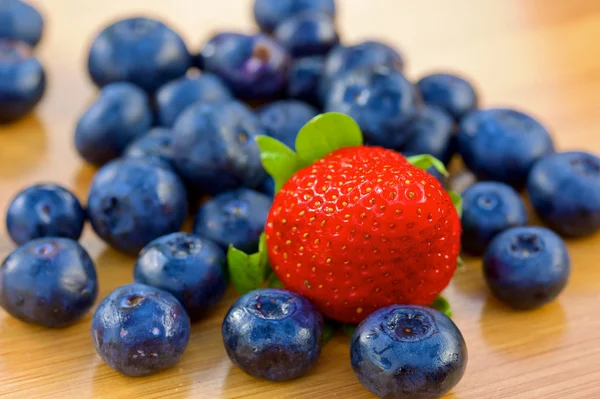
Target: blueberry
132, 202
502, 144
118, 116
452, 93
48, 281
155, 146
270, 13
188, 267
20, 21
381, 100
365, 55
283, 119
268, 186
404, 351
273, 334
526, 267
308, 33
23, 80
564, 189
431, 132
254, 66
236, 217
489, 208
174, 97
303, 79
215, 147
139, 50
139, 330
44, 210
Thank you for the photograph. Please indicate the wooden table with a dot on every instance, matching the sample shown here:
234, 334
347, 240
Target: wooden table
538, 55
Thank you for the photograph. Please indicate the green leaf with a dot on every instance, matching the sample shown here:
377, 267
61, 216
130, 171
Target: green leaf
426, 161
324, 134
275, 282
349, 329
460, 263
248, 272
442, 305
329, 328
457, 201
278, 160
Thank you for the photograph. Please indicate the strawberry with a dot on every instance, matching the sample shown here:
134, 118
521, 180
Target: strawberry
360, 229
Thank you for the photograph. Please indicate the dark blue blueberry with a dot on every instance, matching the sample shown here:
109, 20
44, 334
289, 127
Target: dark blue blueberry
431, 132
489, 208
308, 33
283, 119
381, 100
188, 267
20, 21
44, 210
118, 116
48, 281
174, 97
303, 79
408, 352
215, 149
139, 50
254, 66
440, 177
365, 55
268, 186
502, 144
155, 146
526, 267
23, 80
236, 217
139, 330
452, 93
270, 13
564, 189
132, 202
273, 334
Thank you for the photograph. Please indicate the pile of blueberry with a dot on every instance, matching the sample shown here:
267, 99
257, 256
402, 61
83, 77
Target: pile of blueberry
170, 128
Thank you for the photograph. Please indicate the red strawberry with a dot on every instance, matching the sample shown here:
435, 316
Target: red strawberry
361, 229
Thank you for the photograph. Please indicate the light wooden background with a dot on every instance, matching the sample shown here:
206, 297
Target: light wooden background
539, 55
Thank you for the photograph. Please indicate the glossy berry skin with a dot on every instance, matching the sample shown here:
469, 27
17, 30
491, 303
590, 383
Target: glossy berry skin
381, 100
44, 210
431, 132
303, 79
376, 232
502, 144
308, 33
188, 267
139, 50
526, 267
283, 119
270, 13
408, 352
365, 55
139, 330
450, 92
155, 146
174, 97
23, 80
489, 208
49, 281
132, 202
253, 66
20, 21
236, 217
118, 116
215, 149
273, 334
564, 189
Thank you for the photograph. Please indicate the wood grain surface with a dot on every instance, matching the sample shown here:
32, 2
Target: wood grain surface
539, 55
